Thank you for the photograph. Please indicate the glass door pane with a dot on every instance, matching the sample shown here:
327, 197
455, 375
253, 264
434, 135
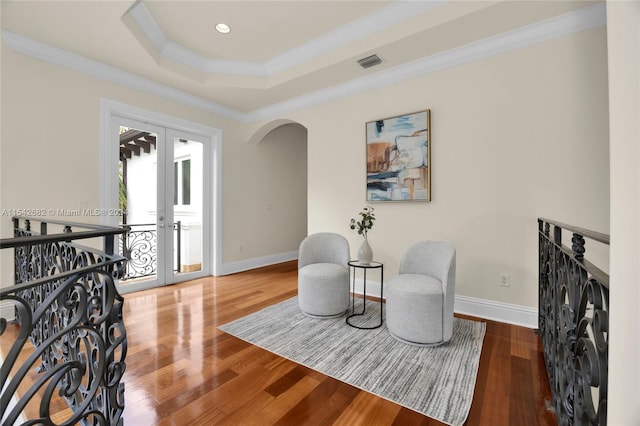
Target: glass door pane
188, 205
163, 187
139, 146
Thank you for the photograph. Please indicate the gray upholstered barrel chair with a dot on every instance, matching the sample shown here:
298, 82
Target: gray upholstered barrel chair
323, 275
419, 300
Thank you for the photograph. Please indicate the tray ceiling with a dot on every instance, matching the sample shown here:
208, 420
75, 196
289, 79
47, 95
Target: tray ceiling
276, 52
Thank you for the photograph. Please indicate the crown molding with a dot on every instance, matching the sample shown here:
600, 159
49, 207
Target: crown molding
582, 19
178, 53
396, 12
79, 63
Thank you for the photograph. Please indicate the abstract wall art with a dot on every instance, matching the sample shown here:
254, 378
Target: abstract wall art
399, 158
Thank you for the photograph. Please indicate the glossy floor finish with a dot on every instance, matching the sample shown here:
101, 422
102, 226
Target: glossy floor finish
181, 370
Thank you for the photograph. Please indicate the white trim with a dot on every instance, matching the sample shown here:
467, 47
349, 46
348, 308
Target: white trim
148, 25
109, 110
215, 201
380, 19
258, 262
497, 311
7, 310
523, 316
373, 287
103, 71
376, 21
169, 49
480, 308
569, 23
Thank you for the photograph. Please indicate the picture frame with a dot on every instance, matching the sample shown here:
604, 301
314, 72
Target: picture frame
399, 158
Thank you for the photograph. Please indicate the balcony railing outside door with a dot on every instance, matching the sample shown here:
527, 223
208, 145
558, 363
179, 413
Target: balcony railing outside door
139, 245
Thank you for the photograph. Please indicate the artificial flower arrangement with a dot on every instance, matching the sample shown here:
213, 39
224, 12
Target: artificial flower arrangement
364, 225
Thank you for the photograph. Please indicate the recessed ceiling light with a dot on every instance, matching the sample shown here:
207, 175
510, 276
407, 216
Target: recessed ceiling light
222, 28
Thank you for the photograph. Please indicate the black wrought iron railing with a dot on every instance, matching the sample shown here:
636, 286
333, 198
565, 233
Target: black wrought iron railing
139, 244
64, 342
574, 323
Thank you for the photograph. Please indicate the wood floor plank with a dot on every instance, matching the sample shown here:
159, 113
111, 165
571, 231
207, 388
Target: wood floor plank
182, 370
367, 409
339, 402
521, 381
304, 411
493, 382
408, 417
287, 381
287, 400
542, 388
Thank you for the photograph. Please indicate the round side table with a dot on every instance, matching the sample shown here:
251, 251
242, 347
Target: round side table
353, 266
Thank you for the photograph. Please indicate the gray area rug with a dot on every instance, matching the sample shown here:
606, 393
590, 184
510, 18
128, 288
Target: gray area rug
437, 382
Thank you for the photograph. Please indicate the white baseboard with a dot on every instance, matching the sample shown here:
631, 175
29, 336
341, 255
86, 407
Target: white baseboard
482, 308
7, 311
497, 311
257, 262
487, 309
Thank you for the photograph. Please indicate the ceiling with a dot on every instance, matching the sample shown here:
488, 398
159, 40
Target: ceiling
276, 52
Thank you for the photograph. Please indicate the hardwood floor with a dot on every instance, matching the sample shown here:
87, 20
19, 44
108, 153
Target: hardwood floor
181, 370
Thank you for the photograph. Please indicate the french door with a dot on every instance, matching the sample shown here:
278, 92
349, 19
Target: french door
163, 185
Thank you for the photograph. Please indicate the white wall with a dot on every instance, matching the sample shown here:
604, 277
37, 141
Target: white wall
515, 136
623, 31
50, 154
274, 174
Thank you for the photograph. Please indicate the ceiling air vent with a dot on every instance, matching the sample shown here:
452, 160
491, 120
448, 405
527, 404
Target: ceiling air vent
369, 61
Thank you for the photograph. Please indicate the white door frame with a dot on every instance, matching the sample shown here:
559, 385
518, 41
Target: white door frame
109, 156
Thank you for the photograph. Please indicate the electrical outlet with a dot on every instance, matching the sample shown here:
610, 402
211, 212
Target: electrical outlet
505, 280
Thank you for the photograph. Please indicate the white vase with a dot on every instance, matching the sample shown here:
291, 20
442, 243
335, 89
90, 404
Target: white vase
365, 255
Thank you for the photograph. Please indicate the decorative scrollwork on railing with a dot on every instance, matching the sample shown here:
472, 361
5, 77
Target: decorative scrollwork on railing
140, 246
574, 326
64, 352
78, 335
45, 259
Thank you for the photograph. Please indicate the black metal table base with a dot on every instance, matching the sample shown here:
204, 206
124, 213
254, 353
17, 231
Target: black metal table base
354, 264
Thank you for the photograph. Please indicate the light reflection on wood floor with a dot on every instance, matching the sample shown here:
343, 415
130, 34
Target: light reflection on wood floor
181, 370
